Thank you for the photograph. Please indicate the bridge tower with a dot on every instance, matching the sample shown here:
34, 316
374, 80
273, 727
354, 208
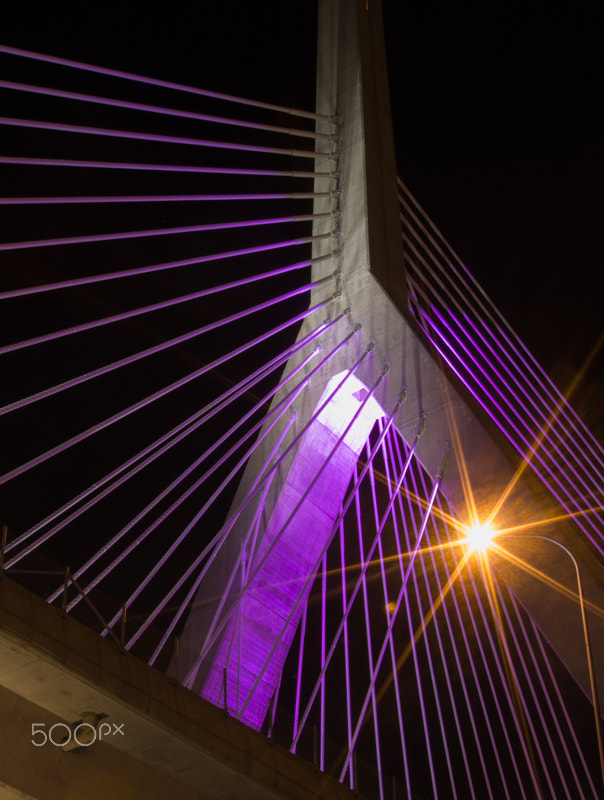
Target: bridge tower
386, 370
402, 383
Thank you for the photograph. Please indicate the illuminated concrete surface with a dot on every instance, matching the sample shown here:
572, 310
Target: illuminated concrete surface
277, 594
175, 744
352, 83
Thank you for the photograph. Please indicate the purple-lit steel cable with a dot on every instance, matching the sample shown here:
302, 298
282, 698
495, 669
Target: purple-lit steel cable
375, 667
130, 76
62, 127
299, 670
281, 408
564, 710
513, 342
322, 696
135, 166
208, 551
216, 628
188, 492
438, 339
158, 198
145, 401
547, 437
534, 668
351, 599
137, 312
162, 110
533, 443
368, 637
351, 776
303, 497
112, 237
166, 265
164, 443
548, 417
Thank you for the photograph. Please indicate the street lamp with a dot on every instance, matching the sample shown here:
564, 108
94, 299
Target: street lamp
479, 538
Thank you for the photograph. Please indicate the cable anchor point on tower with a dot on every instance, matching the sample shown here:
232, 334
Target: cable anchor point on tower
444, 460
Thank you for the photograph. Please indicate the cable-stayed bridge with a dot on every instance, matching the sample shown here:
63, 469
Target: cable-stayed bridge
255, 401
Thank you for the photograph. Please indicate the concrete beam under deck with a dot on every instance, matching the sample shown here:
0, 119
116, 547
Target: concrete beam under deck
174, 743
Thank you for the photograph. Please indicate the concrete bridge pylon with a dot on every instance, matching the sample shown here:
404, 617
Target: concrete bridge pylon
395, 373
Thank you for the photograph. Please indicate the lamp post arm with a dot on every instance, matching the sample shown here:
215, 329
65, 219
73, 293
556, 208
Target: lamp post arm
590, 666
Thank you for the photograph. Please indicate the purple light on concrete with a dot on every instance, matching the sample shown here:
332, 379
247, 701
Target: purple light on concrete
296, 536
249, 434
260, 482
345, 507
212, 635
216, 543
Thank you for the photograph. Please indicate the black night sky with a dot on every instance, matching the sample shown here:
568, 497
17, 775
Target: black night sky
499, 124
498, 113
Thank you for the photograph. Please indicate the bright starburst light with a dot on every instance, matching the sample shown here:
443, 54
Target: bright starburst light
480, 535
